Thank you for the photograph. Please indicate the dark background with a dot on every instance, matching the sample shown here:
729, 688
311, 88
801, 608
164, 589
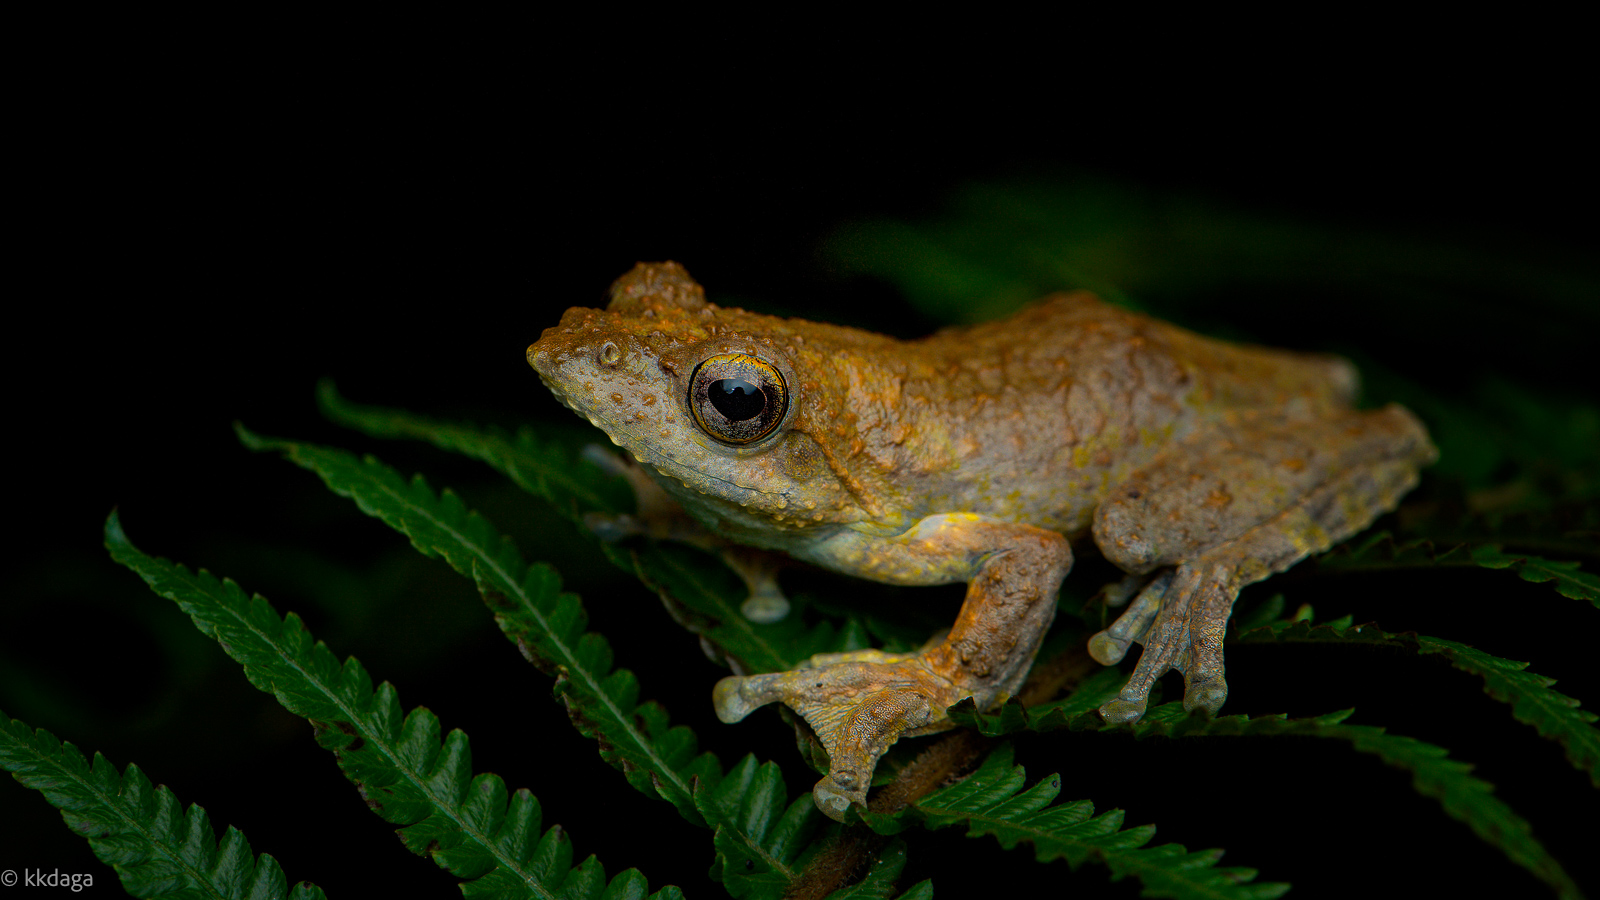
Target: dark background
211, 216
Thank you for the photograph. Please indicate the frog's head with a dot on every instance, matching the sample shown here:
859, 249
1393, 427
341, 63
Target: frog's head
707, 397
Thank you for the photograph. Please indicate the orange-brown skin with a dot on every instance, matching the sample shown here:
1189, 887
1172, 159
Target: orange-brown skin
978, 455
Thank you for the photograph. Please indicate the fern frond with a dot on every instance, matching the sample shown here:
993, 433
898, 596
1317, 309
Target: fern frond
541, 467
1380, 552
546, 624
157, 848
992, 801
1554, 715
1076, 712
1086, 697
703, 599
1463, 797
408, 773
750, 803
752, 795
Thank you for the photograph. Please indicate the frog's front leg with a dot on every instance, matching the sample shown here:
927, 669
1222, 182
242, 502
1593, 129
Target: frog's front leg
661, 518
1231, 507
860, 703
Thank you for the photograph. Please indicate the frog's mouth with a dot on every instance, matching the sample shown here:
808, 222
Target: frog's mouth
692, 477
575, 383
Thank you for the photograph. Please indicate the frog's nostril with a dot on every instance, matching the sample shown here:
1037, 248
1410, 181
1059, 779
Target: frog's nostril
610, 354
538, 358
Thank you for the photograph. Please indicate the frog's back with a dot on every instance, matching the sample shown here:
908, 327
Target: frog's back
1033, 417
1079, 338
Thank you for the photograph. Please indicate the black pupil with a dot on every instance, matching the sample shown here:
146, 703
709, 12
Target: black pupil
736, 399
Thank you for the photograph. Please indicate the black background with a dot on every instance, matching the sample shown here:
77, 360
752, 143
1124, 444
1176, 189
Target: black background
210, 216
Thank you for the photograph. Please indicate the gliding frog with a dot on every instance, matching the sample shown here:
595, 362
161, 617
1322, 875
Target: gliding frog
978, 455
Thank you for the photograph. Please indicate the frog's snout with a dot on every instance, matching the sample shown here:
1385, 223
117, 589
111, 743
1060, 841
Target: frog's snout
539, 359
546, 354
544, 362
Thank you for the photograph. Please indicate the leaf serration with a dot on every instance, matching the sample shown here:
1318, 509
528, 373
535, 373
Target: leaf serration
409, 774
158, 848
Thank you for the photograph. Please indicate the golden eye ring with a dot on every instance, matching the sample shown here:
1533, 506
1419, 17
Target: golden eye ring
737, 398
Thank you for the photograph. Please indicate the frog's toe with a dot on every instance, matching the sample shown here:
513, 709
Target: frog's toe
737, 696
833, 798
758, 569
1204, 685
1123, 710
1109, 646
1129, 705
1208, 694
1107, 650
765, 608
1118, 593
611, 528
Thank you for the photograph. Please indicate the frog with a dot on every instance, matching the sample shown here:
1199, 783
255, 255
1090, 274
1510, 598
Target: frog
981, 454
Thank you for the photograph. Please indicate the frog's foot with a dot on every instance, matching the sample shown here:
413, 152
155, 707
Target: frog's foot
1256, 496
858, 704
662, 518
1179, 618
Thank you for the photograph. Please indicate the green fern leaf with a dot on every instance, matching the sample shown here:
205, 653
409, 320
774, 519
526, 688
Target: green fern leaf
992, 801
1463, 797
1086, 697
546, 624
1075, 711
922, 890
1380, 552
1569, 580
1554, 715
527, 602
704, 599
408, 772
545, 468
759, 835
158, 848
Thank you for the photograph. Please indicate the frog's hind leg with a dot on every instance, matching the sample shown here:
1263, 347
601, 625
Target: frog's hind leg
1300, 488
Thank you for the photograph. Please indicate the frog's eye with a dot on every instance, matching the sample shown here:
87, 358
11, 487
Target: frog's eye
737, 398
